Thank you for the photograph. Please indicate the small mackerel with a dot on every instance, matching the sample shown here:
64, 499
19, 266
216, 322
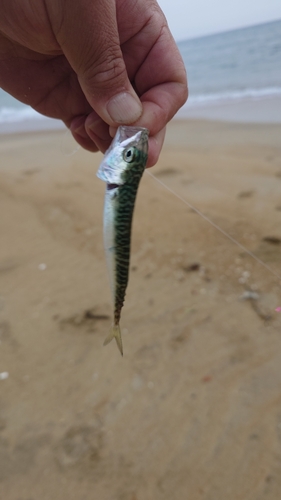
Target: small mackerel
122, 168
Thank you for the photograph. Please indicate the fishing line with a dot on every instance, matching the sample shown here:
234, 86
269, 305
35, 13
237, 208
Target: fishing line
68, 145
66, 138
251, 254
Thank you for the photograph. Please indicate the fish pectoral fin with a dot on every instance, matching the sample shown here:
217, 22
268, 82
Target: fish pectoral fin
115, 333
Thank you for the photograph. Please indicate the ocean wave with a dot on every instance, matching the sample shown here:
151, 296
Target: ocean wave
25, 119
17, 115
235, 95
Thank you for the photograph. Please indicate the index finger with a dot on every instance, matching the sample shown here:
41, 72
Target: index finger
161, 83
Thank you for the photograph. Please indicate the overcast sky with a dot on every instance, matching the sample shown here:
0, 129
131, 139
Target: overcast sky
192, 18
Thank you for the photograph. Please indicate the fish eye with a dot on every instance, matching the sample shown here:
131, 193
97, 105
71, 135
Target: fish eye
129, 155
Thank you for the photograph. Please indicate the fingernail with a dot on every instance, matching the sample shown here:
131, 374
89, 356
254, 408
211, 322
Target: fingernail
78, 126
98, 128
112, 131
80, 131
124, 108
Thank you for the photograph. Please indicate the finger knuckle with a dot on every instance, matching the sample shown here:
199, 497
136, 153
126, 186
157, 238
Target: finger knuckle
107, 71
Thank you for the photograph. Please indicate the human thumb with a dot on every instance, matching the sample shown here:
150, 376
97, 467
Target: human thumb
88, 36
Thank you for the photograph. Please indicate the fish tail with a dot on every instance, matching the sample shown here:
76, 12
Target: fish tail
115, 333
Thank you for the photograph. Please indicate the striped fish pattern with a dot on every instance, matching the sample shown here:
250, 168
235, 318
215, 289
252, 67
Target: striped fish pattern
122, 168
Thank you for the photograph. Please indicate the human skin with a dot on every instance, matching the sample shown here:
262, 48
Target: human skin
94, 64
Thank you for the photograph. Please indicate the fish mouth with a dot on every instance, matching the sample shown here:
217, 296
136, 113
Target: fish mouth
110, 187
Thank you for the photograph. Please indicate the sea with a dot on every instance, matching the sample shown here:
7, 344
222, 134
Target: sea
229, 68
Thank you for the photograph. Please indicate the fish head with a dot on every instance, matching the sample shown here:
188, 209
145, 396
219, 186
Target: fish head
128, 148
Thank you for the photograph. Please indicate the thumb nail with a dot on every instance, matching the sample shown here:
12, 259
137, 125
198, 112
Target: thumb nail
124, 108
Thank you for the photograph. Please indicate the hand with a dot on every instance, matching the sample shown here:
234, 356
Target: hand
94, 64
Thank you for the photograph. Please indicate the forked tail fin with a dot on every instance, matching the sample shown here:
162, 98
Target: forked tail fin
115, 334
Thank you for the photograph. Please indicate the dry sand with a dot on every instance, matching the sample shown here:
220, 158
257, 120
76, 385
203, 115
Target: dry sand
193, 410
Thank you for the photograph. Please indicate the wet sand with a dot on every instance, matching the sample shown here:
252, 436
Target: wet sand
193, 409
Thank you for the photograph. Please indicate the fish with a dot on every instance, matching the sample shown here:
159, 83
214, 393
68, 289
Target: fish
121, 168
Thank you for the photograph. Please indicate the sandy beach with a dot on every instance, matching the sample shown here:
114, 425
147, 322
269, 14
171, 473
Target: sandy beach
193, 409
